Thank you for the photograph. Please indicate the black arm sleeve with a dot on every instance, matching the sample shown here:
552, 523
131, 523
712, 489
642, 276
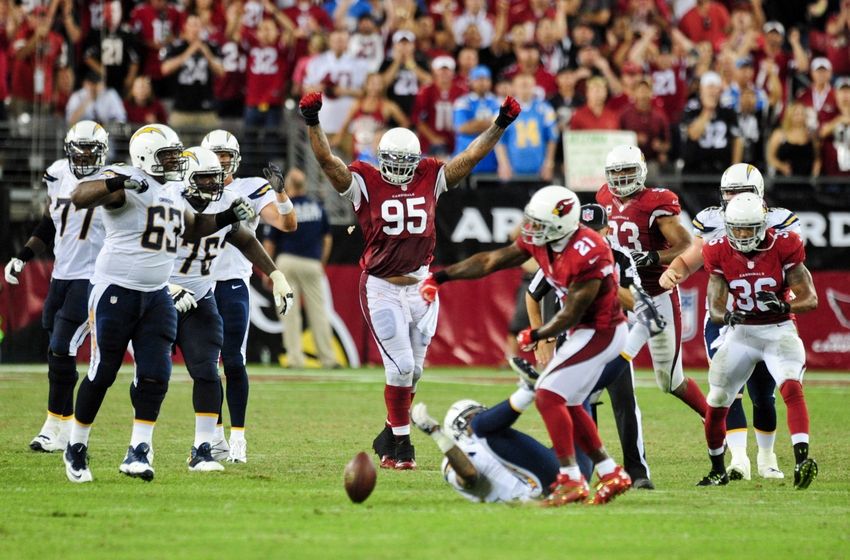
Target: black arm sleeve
45, 230
538, 287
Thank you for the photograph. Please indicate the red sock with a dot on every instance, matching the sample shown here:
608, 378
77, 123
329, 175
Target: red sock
715, 427
798, 414
694, 398
586, 432
558, 422
397, 400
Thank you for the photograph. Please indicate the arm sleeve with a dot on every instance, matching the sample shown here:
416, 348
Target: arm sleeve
45, 230
709, 261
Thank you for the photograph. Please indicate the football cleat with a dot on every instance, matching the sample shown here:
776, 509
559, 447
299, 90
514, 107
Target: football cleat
768, 466
610, 486
739, 468
405, 455
238, 451
48, 443
526, 372
76, 459
202, 459
714, 478
384, 447
804, 473
220, 450
567, 491
137, 462
642, 484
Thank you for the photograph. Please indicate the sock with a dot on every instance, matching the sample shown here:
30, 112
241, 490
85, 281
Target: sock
798, 415
801, 451
737, 418
765, 441
558, 422
79, 433
494, 420
142, 433
89, 399
51, 424
237, 434
218, 435
736, 438
586, 433
65, 428
715, 427
694, 398
718, 462
521, 399
204, 428
606, 467
397, 400
572, 472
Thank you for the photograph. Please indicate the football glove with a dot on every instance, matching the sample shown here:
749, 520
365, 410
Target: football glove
274, 176
508, 112
527, 339
428, 289
282, 292
119, 182
422, 420
645, 258
183, 299
733, 318
13, 269
646, 312
773, 303
309, 107
242, 209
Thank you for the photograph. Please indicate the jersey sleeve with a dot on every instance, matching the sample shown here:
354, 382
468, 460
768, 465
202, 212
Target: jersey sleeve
788, 221
538, 287
793, 251
704, 224
438, 168
666, 203
261, 196
596, 265
357, 192
710, 260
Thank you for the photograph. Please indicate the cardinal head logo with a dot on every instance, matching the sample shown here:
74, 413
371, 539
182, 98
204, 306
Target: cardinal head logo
563, 207
840, 305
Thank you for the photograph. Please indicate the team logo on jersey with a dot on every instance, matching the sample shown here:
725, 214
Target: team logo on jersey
563, 207
145, 129
260, 192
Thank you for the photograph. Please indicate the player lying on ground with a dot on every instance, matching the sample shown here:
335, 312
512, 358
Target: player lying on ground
758, 267
578, 263
396, 206
709, 225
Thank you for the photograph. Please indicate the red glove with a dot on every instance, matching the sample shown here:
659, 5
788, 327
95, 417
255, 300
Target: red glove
527, 339
309, 107
428, 289
508, 112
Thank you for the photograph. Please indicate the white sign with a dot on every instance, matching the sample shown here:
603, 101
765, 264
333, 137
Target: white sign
585, 152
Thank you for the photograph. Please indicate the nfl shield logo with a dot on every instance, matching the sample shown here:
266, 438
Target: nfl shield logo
587, 215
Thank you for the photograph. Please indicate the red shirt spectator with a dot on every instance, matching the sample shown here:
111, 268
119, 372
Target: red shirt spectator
141, 106
820, 96
34, 41
157, 24
835, 133
707, 21
669, 84
433, 110
649, 122
308, 19
838, 40
594, 115
528, 62
229, 88
266, 69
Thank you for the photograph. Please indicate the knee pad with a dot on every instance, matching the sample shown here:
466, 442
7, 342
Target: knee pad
235, 373
203, 371
719, 398
62, 369
400, 372
147, 395
150, 386
417, 375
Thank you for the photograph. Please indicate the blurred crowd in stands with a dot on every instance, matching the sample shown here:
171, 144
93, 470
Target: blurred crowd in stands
702, 83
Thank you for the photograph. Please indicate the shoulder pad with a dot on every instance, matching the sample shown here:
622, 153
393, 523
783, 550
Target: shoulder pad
781, 218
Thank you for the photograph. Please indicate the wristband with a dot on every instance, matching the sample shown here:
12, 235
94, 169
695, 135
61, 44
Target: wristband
503, 121
285, 207
784, 307
442, 440
441, 276
225, 218
115, 183
534, 335
26, 254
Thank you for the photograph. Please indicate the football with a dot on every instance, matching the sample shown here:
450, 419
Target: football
360, 477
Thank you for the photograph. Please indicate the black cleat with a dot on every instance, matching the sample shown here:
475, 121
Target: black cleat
525, 370
384, 446
137, 463
201, 459
804, 473
642, 484
405, 454
76, 460
714, 478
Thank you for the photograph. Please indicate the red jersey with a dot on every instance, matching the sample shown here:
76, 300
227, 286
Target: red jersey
436, 108
823, 105
153, 26
543, 78
586, 256
711, 28
758, 271
648, 125
585, 119
634, 228
24, 69
397, 221
266, 71
670, 89
231, 85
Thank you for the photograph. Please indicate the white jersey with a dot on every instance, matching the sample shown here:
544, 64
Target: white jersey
79, 233
345, 71
497, 482
368, 49
142, 236
709, 223
231, 264
193, 267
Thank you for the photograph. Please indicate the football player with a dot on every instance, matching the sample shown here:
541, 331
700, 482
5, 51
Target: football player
708, 225
199, 324
758, 266
395, 205
77, 237
578, 262
144, 218
232, 273
646, 222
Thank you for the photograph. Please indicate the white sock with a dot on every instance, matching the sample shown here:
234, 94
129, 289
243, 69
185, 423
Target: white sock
237, 434
142, 433
401, 430
51, 424
571, 471
65, 428
737, 438
739, 454
79, 433
522, 399
606, 467
204, 428
799, 438
765, 441
219, 432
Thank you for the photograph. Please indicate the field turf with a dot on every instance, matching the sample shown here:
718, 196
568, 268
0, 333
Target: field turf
288, 500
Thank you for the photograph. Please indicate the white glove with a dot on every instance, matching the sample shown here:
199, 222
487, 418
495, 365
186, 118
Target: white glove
13, 268
135, 185
242, 209
421, 419
184, 299
282, 292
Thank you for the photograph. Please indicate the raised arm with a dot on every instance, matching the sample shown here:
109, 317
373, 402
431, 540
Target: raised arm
461, 165
333, 167
105, 192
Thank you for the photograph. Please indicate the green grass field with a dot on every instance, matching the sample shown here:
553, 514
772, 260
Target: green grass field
288, 501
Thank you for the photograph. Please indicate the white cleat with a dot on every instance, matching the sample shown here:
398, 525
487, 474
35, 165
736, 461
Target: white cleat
219, 449
238, 451
76, 460
739, 468
137, 462
768, 466
48, 443
202, 460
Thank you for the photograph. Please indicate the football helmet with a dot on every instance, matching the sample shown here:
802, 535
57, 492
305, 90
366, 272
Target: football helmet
399, 154
86, 147
625, 170
222, 141
740, 178
458, 417
204, 177
156, 149
746, 221
550, 215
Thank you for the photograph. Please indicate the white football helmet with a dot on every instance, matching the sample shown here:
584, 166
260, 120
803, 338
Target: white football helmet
745, 212
625, 170
222, 141
86, 147
458, 417
398, 155
740, 178
550, 215
156, 149
204, 177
